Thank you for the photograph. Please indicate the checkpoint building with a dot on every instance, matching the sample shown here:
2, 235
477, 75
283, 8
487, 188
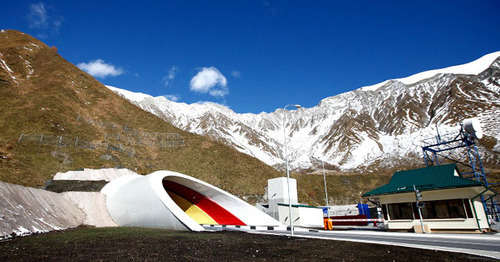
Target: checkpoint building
450, 202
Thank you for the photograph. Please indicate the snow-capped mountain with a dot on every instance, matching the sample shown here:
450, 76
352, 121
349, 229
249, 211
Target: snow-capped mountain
374, 126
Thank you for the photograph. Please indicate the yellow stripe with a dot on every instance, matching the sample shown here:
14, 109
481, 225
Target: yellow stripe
191, 210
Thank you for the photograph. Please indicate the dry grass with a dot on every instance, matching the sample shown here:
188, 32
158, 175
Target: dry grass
342, 188
56, 92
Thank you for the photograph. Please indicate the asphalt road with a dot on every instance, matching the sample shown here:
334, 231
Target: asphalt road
488, 245
477, 244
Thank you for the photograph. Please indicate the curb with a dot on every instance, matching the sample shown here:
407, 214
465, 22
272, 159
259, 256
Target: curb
258, 228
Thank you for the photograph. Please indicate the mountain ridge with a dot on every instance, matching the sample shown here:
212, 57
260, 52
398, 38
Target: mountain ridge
362, 128
472, 68
56, 118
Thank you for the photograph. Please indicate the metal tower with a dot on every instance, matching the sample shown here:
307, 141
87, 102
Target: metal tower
461, 149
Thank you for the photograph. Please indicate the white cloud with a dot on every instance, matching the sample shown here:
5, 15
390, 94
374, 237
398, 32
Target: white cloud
174, 98
236, 74
210, 80
44, 17
167, 79
38, 15
221, 92
98, 68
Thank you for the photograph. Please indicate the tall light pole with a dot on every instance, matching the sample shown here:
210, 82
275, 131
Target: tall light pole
287, 170
326, 191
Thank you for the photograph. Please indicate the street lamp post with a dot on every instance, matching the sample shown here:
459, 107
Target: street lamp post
287, 170
326, 191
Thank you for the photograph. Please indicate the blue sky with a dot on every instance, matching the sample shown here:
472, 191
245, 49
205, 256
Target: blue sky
255, 56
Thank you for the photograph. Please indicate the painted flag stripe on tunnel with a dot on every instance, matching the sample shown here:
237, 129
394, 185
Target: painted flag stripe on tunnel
214, 210
193, 211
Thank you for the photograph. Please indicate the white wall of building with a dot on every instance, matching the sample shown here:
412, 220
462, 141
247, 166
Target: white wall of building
277, 190
437, 224
303, 216
277, 193
311, 217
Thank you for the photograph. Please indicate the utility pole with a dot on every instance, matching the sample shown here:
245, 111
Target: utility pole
326, 191
418, 196
288, 169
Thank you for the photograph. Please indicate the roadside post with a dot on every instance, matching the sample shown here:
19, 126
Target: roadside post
418, 196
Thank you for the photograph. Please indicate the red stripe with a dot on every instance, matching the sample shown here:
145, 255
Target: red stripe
214, 210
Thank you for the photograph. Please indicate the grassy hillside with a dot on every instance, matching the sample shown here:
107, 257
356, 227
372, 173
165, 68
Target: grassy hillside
55, 117
343, 188
85, 125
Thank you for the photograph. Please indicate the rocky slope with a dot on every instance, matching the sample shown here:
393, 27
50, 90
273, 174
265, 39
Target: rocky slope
55, 117
373, 128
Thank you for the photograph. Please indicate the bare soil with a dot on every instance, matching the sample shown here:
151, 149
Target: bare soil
118, 244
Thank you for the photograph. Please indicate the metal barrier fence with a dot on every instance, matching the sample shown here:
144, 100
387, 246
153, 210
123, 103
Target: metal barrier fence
128, 131
123, 146
63, 141
162, 142
120, 138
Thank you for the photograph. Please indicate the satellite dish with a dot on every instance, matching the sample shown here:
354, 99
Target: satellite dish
473, 127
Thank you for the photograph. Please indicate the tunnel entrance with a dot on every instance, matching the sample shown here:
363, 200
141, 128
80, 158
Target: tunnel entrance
199, 207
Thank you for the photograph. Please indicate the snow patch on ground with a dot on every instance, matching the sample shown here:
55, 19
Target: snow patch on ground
25, 210
361, 155
4, 65
496, 148
106, 174
132, 96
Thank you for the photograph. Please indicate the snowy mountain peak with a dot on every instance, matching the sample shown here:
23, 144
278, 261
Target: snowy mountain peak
472, 68
132, 96
377, 129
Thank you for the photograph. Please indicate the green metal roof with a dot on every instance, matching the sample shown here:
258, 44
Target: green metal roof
428, 178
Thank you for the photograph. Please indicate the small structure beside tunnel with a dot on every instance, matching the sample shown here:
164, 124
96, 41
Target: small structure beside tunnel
282, 202
449, 202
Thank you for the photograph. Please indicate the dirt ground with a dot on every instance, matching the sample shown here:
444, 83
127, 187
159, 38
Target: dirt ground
119, 244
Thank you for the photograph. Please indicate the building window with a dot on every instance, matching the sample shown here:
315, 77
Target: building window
468, 210
384, 210
452, 208
456, 208
400, 211
440, 209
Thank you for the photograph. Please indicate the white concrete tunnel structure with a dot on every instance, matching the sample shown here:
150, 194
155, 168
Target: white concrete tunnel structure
166, 199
